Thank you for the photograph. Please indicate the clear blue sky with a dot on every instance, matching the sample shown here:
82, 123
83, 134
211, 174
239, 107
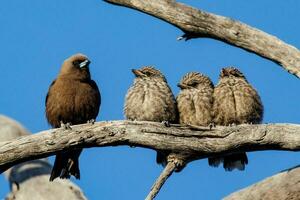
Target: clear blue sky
36, 36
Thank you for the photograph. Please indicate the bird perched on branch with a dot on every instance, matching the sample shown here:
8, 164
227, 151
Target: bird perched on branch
235, 102
151, 99
195, 99
73, 98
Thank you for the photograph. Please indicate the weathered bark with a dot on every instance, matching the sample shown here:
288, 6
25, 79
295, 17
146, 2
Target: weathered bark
173, 162
167, 172
189, 143
285, 185
198, 142
30, 180
196, 23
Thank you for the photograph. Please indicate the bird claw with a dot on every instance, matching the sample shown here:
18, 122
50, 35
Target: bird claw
187, 36
211, 125
166, 123
66, 126
232, 124
91, 121
180, 38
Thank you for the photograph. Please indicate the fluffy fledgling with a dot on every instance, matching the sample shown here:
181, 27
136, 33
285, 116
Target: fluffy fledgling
73, 98
151, 99
195, 99
235, 102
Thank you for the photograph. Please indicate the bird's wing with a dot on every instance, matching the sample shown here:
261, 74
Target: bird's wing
49, 90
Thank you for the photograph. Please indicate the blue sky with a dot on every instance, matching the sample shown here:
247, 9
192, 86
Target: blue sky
36, 36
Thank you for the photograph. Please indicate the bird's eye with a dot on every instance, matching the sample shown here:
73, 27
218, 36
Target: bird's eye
193, 84
148, 73
76, 63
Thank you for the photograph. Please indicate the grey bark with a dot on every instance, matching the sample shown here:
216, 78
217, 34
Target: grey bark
197, 23
285, 185
30, 180
192, 142
173, 161
167, 172
189, 142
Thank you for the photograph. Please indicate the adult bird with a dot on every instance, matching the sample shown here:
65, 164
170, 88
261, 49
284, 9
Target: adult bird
73, 98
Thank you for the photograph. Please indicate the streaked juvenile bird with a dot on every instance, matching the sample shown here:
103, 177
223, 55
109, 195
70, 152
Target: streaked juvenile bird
195, 99
235, 102
73, 98
151, 99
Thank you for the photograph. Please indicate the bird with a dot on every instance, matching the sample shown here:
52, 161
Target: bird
235, 102
195, 99
151, 99
73, 98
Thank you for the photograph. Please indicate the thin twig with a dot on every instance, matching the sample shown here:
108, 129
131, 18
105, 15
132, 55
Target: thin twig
166, 173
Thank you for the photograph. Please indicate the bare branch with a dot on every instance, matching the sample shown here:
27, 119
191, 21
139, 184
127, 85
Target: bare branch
196, 142
174, 163
284, 185
167, 172
30, 180
196, 23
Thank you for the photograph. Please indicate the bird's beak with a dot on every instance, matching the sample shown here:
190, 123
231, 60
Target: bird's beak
84, 64
137, 72
181, 86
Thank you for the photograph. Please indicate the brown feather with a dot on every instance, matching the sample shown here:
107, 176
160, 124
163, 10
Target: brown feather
235, 102
195, 99
151, 99
72, 98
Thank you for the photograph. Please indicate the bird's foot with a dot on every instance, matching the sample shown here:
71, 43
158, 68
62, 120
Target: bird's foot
232, 124
91, 121
211, 125
66, 126
166, 123
187, 36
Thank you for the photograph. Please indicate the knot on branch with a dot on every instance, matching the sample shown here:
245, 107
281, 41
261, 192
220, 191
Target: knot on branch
178, 160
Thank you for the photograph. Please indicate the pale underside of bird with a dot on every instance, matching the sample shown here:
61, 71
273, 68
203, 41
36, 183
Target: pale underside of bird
195, 99
235, 102
151, 99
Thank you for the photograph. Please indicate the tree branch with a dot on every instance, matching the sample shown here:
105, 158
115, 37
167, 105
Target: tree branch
196, 23
194, 142
167, 172
174, 163
284, 185
30, 180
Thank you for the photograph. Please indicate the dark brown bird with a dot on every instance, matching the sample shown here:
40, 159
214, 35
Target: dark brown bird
151, 99
195, 99
235, 102
73, 98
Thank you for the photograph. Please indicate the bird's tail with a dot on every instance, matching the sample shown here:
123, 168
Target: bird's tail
57, 167
161, 158
66, 164
215, 161
235, 161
